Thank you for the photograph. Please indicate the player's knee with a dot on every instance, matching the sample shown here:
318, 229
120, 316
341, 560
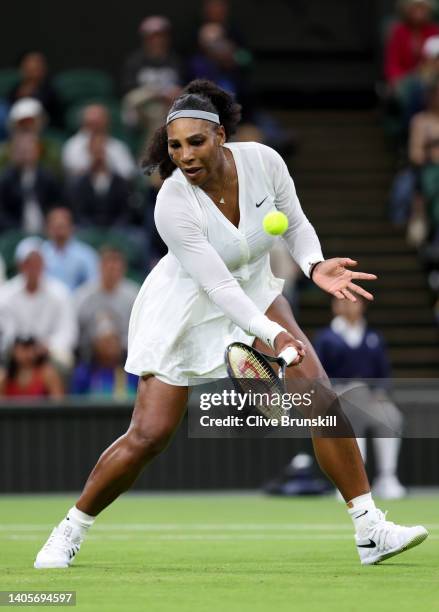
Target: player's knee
149, 442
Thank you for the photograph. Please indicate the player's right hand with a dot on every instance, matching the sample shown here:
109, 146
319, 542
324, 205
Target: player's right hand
285, 340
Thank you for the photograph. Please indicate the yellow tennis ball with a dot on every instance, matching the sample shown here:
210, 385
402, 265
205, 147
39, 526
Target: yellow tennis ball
275, 223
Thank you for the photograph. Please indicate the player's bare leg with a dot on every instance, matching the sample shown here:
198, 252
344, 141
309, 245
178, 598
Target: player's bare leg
158, 411
340, 458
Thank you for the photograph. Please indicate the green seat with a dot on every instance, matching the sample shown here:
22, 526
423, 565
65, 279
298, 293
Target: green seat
9, 77
81, 84
98, 237
56, 135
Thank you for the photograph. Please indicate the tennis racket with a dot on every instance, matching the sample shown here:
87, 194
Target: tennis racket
251, 372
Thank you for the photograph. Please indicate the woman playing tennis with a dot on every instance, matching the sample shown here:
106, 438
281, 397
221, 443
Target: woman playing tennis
215, 284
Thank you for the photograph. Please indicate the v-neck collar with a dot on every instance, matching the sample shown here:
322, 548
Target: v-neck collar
240, 177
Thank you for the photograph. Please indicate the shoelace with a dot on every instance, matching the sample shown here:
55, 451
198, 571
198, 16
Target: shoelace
61, 543
382, 530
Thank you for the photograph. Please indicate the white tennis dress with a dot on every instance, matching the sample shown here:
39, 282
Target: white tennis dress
215, 278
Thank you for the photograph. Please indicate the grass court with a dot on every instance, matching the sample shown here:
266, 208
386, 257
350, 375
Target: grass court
197, 553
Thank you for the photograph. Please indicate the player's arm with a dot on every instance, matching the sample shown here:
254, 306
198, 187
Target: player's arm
182, 232
332, 275
300, 237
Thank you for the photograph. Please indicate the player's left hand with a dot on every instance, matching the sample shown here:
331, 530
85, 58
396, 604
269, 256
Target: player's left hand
334, 277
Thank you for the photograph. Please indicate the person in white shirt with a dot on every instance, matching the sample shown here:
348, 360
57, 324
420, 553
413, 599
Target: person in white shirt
76, 155
109, 297
32, 304
214, 286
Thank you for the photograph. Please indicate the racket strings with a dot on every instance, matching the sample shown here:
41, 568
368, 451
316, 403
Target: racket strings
246, 365
256, 377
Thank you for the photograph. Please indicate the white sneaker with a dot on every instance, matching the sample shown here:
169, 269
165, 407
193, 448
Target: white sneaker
383, 539
61, 547
388, 487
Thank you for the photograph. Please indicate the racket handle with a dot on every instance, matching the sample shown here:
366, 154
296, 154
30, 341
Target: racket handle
289, 355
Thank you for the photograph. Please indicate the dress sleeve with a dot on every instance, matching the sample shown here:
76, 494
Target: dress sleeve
300, 237
181, 230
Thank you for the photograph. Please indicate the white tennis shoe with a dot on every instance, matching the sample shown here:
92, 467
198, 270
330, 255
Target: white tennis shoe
382, 539
61, 547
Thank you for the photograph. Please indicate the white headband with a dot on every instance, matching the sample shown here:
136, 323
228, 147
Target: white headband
193, 114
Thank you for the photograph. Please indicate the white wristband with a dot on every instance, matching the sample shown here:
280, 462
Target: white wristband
263, 328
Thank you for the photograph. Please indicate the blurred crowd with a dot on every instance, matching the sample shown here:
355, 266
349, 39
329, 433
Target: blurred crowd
76, 214
411, 96
77, 235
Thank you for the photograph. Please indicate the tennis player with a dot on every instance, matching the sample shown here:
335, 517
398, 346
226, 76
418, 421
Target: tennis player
215, 285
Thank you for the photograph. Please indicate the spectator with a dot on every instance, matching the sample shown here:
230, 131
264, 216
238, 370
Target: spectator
424, 131
216, 60
350, 349
33, 305
416, 94
218, 12
36, 83
67, 259
100, 197
76, 155
403, 52
424, 156
28, 373
27, 116
151, 76
112, 297
105, 375
411, 91
221, 60
27, 189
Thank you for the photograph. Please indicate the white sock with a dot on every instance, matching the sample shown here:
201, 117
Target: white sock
362, 511
80, 519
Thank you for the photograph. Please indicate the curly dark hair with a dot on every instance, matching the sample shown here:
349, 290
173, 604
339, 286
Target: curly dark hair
197, 95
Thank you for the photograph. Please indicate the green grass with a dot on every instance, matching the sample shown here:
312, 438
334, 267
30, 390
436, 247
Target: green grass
222, 553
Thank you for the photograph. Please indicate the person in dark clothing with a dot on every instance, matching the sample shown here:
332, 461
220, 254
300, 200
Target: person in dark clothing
36, 83
350, 349
27, 189
151, 77
99, 197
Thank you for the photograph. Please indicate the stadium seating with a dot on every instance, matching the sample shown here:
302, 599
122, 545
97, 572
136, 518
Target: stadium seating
343, 174
78, 85
9, 77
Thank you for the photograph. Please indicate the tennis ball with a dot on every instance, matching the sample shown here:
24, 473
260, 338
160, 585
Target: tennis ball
275, 223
